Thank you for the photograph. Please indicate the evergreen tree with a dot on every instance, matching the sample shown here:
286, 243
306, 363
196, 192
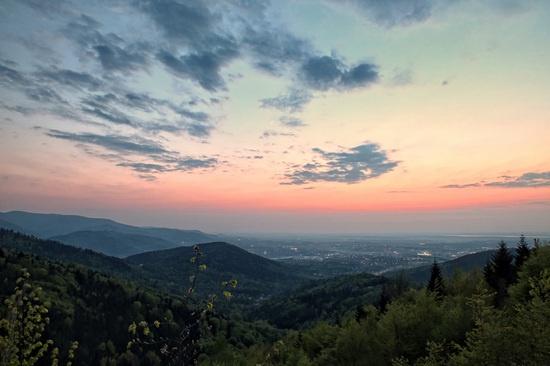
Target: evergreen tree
436, 285
522, 252
360, 313
384, 299
500, 273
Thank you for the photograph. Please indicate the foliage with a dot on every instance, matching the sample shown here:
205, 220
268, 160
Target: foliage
500, 273
348, 320
328, 299
435, 284
167, 269
418, 328
22, 327
522, 252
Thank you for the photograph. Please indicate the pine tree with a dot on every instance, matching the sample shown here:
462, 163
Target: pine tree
384, 299
436, 285
360, 313
522, 252
500, 273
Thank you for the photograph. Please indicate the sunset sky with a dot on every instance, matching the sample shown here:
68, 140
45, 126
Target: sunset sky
357, 116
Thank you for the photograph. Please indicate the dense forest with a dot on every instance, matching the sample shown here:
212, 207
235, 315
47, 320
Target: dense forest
79, 310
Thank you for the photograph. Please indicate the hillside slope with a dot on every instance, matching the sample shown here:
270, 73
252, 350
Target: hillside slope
257, 276
465, 263
170, 269
113, 243
56, 251
327, 299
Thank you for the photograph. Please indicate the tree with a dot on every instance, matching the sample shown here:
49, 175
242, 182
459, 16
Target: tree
384, 299
22, 340
436, 285
500, 273
522, 252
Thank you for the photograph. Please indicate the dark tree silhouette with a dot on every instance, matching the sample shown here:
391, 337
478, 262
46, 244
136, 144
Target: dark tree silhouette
360, 313
500, 273
522, 252
384, 299
436, 285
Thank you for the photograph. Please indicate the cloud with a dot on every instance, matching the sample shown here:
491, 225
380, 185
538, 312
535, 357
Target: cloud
293, 101
401, 77
289, 121
116, 58
110, 50
106, 112
206, 38
394, 12
13, 79
190, 23
124, 150
327, 72
116, 143
44, 94
402, 13
203, 68
50, 8
526, 180
273, 50
271, 133
357, 164
531, 179
467, 185
208, 48
74, 79
17, 108
106, 106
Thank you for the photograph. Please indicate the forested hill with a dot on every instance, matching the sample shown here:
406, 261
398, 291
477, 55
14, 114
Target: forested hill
328, 299
465, 263
54, 250
501, 318
257, 276
91, 308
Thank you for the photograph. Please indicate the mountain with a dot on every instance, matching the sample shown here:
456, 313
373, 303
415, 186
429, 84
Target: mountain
170, 269
9, 226
465, 263
53, 250
113, 243
97, 233
327, 300
257, 276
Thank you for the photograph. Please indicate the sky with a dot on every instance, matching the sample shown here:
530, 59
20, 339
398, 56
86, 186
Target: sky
326, 116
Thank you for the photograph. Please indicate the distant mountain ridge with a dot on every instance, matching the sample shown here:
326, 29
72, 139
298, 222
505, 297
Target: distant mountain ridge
102, 235
113, 243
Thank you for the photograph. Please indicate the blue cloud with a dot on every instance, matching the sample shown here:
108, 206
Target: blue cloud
327, 72
293, 101
393, 13
203, 68
135, 152
357, 164
289, 121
